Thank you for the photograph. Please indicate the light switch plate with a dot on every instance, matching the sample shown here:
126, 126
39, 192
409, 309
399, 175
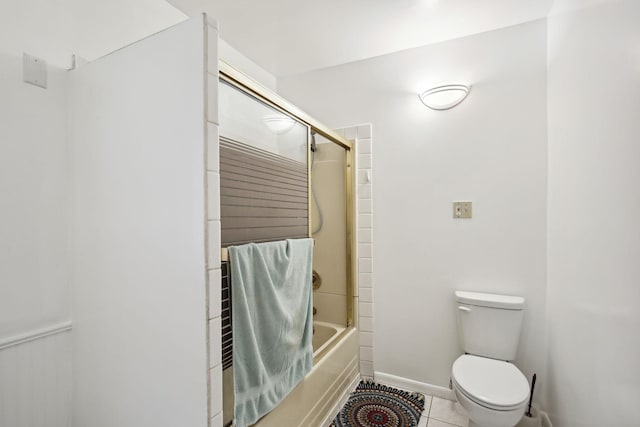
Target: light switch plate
34, 70
461, 210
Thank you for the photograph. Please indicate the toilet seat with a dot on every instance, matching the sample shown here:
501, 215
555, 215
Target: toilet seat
491, 383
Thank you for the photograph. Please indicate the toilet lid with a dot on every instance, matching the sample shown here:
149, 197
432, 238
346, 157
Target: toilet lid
490, 382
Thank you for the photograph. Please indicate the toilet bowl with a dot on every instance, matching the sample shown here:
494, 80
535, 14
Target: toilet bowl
493, 392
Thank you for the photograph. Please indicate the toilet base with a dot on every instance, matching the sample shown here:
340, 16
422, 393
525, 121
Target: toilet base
479, 416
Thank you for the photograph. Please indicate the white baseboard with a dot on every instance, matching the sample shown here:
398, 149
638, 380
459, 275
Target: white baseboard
411, 385
433, 390
343, 400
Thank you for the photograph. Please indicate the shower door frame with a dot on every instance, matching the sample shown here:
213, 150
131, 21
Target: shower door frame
239, 80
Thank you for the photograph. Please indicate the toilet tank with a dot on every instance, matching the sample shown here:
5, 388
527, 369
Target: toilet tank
488, 324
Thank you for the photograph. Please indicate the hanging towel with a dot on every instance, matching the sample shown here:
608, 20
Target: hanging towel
272, 318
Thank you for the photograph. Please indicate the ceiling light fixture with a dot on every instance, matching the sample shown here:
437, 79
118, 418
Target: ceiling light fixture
279, 123
444, 97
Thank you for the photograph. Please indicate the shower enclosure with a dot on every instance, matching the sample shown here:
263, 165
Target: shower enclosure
284, 175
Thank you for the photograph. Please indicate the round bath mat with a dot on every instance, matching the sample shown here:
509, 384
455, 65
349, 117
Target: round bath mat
377, 405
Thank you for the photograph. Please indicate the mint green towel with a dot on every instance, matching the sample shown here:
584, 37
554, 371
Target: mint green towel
272, 318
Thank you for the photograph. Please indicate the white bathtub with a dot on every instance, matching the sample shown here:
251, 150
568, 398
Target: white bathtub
335, 353
323, 335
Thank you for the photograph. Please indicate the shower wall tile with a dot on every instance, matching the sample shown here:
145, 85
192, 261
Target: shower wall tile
366, 309
366, 369
213, 208
365, 250
213, 202
365, 235
213, 148
212, 48
365, 280
364, 161
366, 339
217, 420
213, 241
364, 132
216, 390
366, 295
365, 206
365, 191
215, 338
364, 146
363, 177
212, 101
364, 265
364, 227
366, 353
366, 324
365, 220
350, 133
215, 300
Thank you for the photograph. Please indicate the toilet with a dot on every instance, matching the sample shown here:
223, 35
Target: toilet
485, 382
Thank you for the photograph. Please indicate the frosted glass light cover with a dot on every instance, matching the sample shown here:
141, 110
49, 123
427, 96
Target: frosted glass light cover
278, 123
444, 97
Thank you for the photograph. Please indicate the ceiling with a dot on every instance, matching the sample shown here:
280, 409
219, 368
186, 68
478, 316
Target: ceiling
291, 36
283, 36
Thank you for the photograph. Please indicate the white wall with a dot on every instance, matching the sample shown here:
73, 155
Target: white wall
35, 290
491, 149
35, 282
245, 65
35, 383
137, 129
34, 266
594, 206
34, 263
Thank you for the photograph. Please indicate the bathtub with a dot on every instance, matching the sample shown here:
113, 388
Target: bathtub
324, 333
312, 402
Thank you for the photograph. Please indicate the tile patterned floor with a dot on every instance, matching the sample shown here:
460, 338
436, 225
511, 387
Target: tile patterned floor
442, 413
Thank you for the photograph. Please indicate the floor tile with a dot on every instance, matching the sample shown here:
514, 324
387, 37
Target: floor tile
435, 423
425, 414
427, 405
448, 411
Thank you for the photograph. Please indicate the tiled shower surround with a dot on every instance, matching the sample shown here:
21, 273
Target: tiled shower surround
213, 231
363, 298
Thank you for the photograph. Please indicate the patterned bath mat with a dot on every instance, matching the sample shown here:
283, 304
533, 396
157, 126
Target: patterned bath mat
377, 405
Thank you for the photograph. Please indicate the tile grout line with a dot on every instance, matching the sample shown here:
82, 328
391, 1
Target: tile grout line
444, 422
